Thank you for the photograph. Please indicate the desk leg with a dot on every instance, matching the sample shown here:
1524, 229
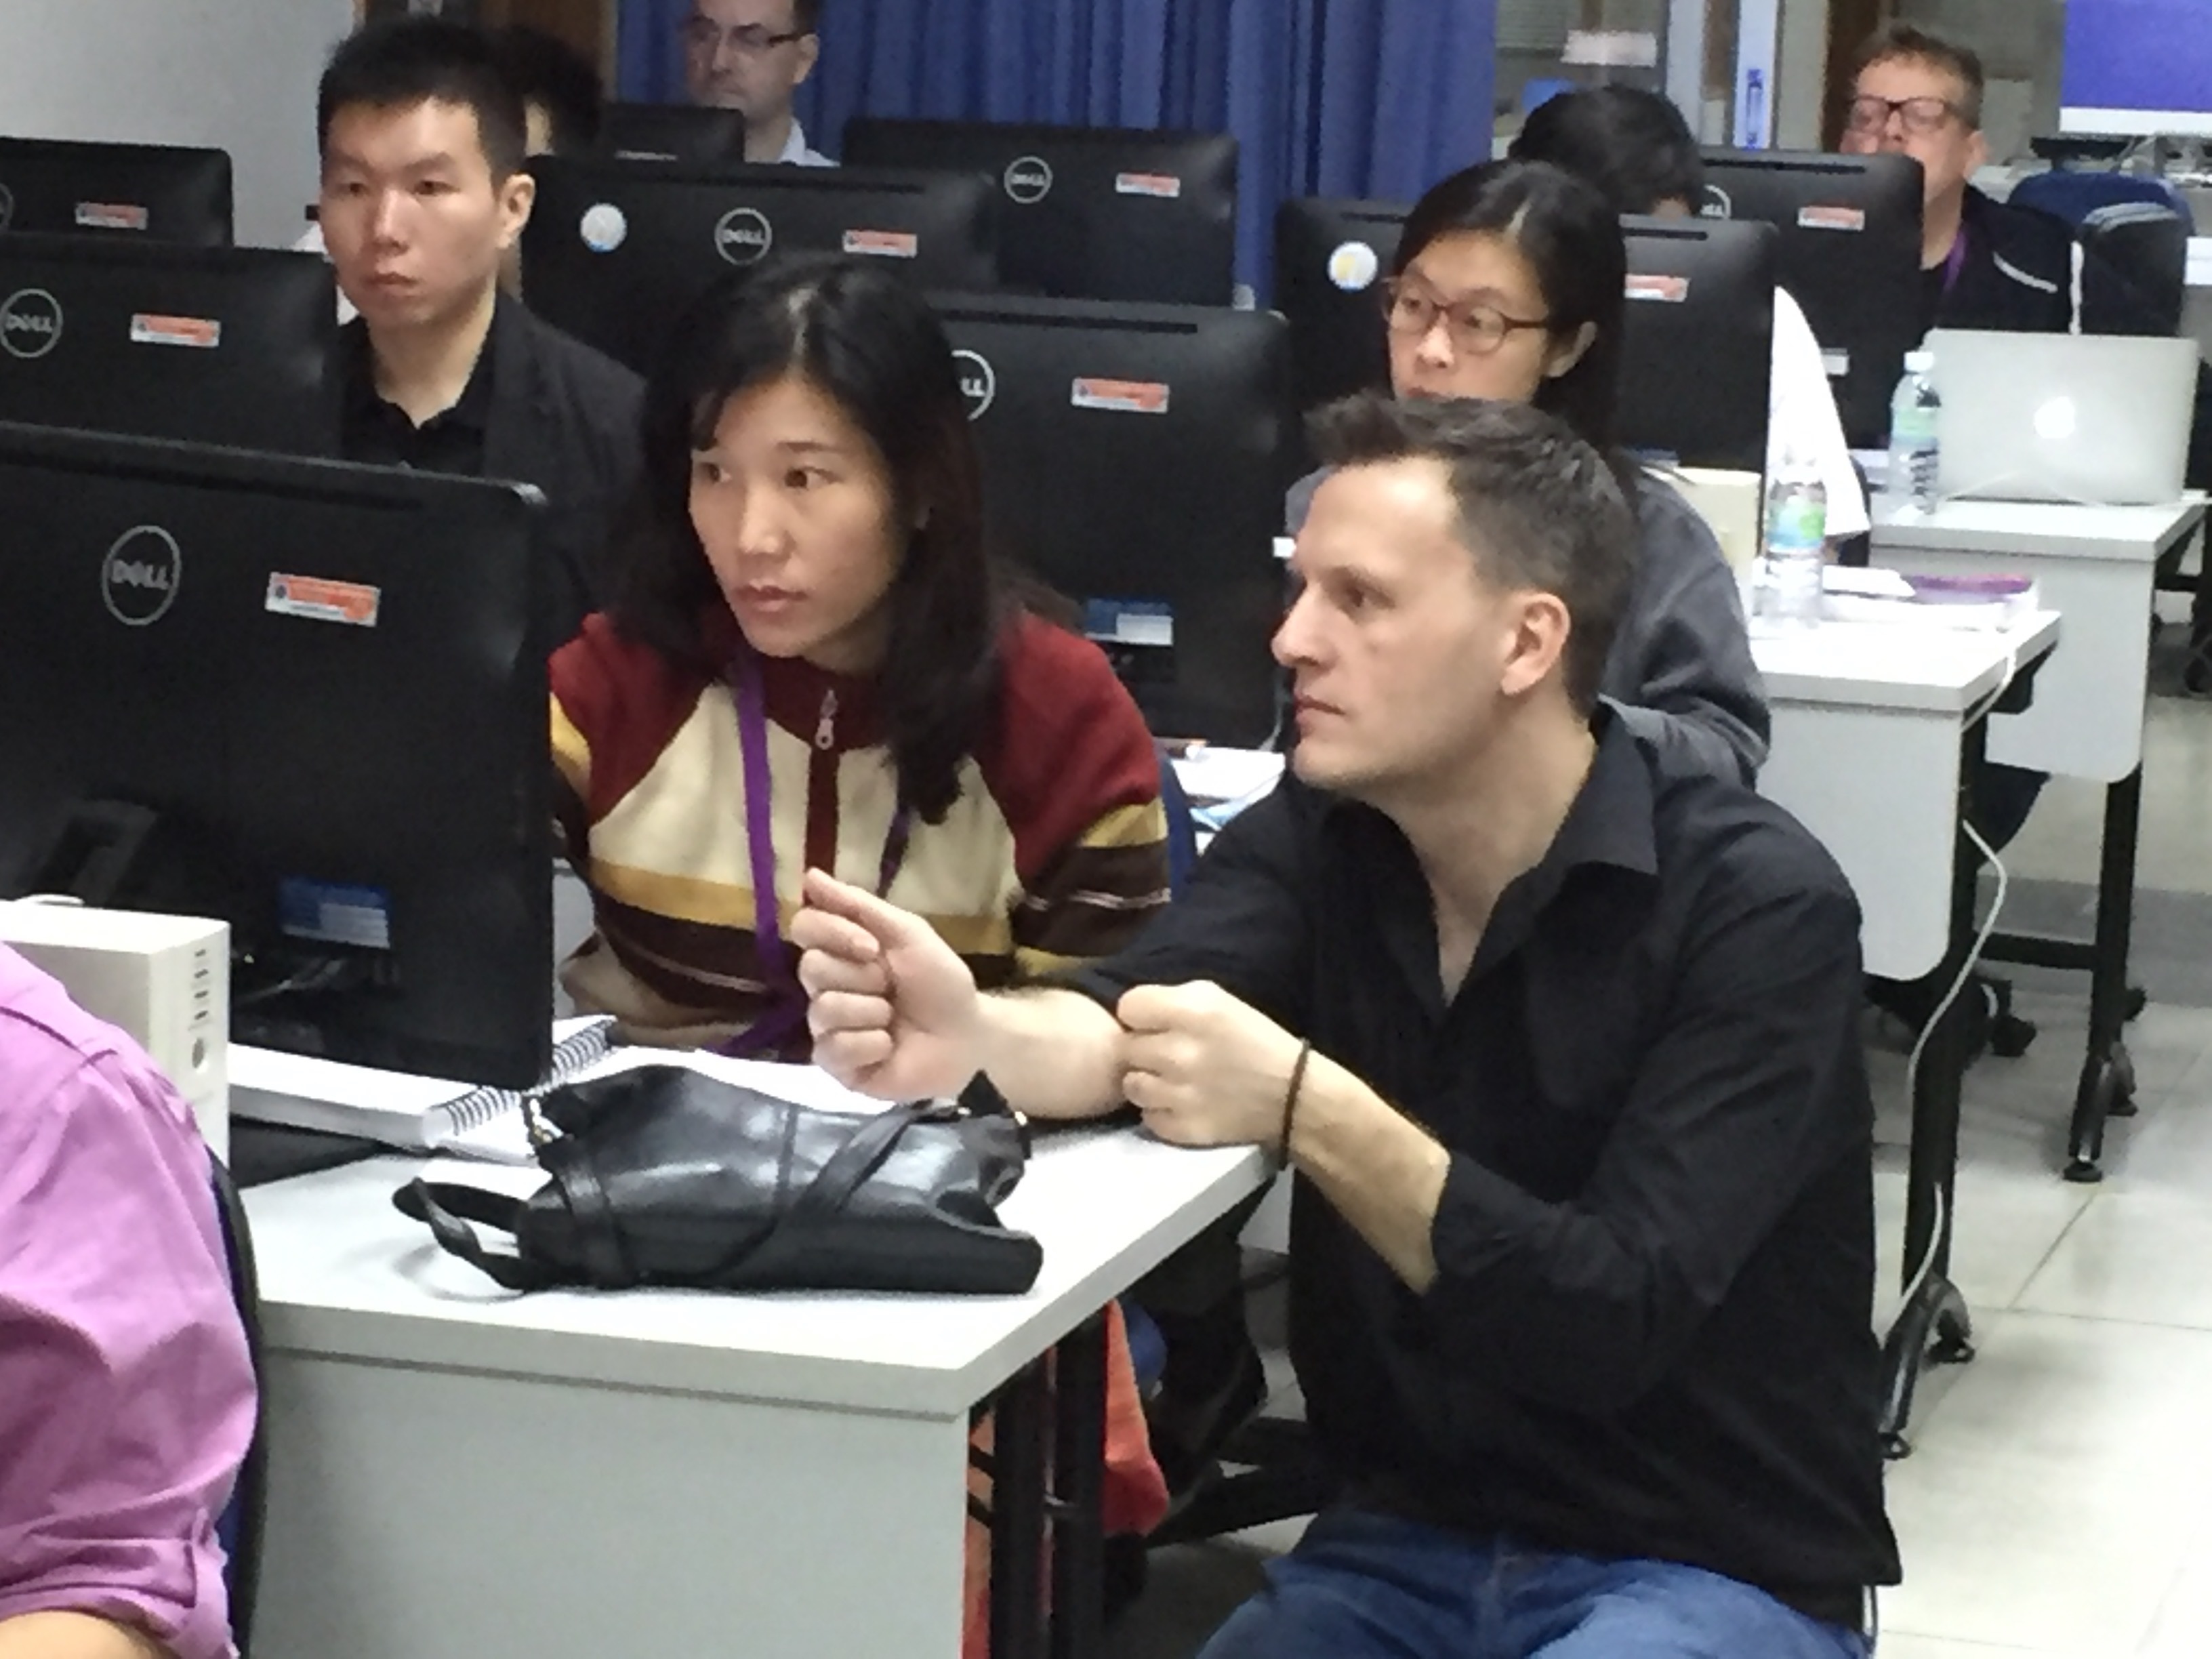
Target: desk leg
1049, 1470
2108, 1079
1079, 1560
1934, 1324
1020, 1426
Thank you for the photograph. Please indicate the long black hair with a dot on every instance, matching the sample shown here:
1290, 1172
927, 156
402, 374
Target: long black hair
1570, 237
863, 336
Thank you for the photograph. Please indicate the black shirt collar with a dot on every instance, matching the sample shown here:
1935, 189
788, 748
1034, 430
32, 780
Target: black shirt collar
471, 409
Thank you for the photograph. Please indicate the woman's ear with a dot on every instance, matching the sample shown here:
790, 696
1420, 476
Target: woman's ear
1566, 354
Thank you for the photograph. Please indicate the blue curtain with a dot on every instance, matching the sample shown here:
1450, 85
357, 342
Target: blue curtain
1360, 98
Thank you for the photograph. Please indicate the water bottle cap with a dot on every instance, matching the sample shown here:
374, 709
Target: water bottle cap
1920, 362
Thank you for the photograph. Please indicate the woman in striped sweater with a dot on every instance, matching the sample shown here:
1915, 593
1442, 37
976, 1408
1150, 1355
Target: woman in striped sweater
811, 663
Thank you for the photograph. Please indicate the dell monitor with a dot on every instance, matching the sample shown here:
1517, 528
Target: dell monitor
1135, 458
218, 345
615, 250
1696, 346
1850, 228
302, 697
1090, 213
152, 192
672, 132
1331, 260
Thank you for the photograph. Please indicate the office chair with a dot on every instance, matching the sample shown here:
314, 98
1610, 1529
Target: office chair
239, 1525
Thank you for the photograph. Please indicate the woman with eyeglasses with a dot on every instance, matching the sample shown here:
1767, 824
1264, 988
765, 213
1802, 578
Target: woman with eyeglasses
1509, 283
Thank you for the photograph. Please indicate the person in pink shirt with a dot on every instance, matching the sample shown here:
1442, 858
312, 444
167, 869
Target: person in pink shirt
126, 1395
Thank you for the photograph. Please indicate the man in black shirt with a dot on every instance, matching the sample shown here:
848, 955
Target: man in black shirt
1560, 1037
423, 195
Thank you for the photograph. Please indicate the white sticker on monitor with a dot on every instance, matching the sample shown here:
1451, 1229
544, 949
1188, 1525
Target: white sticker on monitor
334, 912
605, 227
1669, 291
1819, 217
1354, 267
196, 333
1163, 186
1837, 362
316, 599
1121, 396
1130, 621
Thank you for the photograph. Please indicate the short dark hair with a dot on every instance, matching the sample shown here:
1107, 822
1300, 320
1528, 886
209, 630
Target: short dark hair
547, 71
864, 336
401, 62
1539, 508
1570, 236
1902, 41
1633, 144
806, 16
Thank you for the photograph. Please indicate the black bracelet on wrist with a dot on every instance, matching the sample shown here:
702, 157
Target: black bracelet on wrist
1291, 1096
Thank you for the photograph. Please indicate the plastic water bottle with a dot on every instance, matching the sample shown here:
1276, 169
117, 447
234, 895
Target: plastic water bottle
1914, 414
1797, 539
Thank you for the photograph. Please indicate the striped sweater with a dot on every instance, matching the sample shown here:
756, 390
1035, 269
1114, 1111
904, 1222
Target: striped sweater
1054, 852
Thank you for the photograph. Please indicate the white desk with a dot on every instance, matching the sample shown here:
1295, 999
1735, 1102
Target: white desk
458, 1473
1867, 722
2096, 566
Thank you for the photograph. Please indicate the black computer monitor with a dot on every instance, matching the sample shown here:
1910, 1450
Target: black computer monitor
303, 697
221, 345
672, 132
1092, 213
1850, 256
161, 192
1697, 342
1135, 457
1331, 260
616, 250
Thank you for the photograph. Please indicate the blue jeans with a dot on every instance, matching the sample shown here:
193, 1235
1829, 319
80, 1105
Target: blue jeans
1362, 1583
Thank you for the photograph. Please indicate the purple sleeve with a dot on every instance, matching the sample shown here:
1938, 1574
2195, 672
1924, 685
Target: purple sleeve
127, 1396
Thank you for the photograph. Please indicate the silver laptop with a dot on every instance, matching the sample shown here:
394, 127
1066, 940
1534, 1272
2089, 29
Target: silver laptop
2098, 419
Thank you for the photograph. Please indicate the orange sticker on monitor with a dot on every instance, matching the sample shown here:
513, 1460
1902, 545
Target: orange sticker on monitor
354, 604
112, 215
200, 333
883, 244
1123, 397
1672, 290
1164, 186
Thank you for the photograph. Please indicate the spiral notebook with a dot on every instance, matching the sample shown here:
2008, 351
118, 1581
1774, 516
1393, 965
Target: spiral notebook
419, 1113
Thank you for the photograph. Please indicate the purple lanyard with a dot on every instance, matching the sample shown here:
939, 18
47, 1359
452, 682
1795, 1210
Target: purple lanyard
1956, 263
786, 1013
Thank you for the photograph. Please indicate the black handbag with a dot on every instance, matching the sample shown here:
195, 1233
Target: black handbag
663, 1175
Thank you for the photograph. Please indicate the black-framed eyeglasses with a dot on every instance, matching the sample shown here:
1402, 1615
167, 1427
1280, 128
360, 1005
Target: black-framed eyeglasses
1475, 330
704, 35
1922, 116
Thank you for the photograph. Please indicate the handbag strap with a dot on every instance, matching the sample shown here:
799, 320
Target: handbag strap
600, 1240
839, 1177
447, 1212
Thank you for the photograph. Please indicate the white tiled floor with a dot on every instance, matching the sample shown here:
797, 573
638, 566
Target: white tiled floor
2059, 1500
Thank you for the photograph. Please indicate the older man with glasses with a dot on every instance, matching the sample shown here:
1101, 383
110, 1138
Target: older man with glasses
752, 56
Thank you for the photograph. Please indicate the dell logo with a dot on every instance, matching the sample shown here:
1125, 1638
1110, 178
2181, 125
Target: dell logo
140, 577
1028, 180
979, 382
30, 323
743, 236
1718, 205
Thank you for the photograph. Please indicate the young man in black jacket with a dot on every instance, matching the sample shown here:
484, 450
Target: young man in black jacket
423, 139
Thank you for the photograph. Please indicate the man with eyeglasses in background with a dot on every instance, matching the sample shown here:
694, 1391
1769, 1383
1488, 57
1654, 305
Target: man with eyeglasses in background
751, 55
1985, 264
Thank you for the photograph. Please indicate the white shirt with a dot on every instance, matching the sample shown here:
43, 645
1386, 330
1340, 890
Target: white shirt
796, 153
1801, 408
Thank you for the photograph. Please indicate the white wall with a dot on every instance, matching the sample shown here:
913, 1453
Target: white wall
239, 74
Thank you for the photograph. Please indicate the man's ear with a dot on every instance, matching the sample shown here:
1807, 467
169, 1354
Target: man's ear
1538, 645
516, 198
1564, 354
810, 54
